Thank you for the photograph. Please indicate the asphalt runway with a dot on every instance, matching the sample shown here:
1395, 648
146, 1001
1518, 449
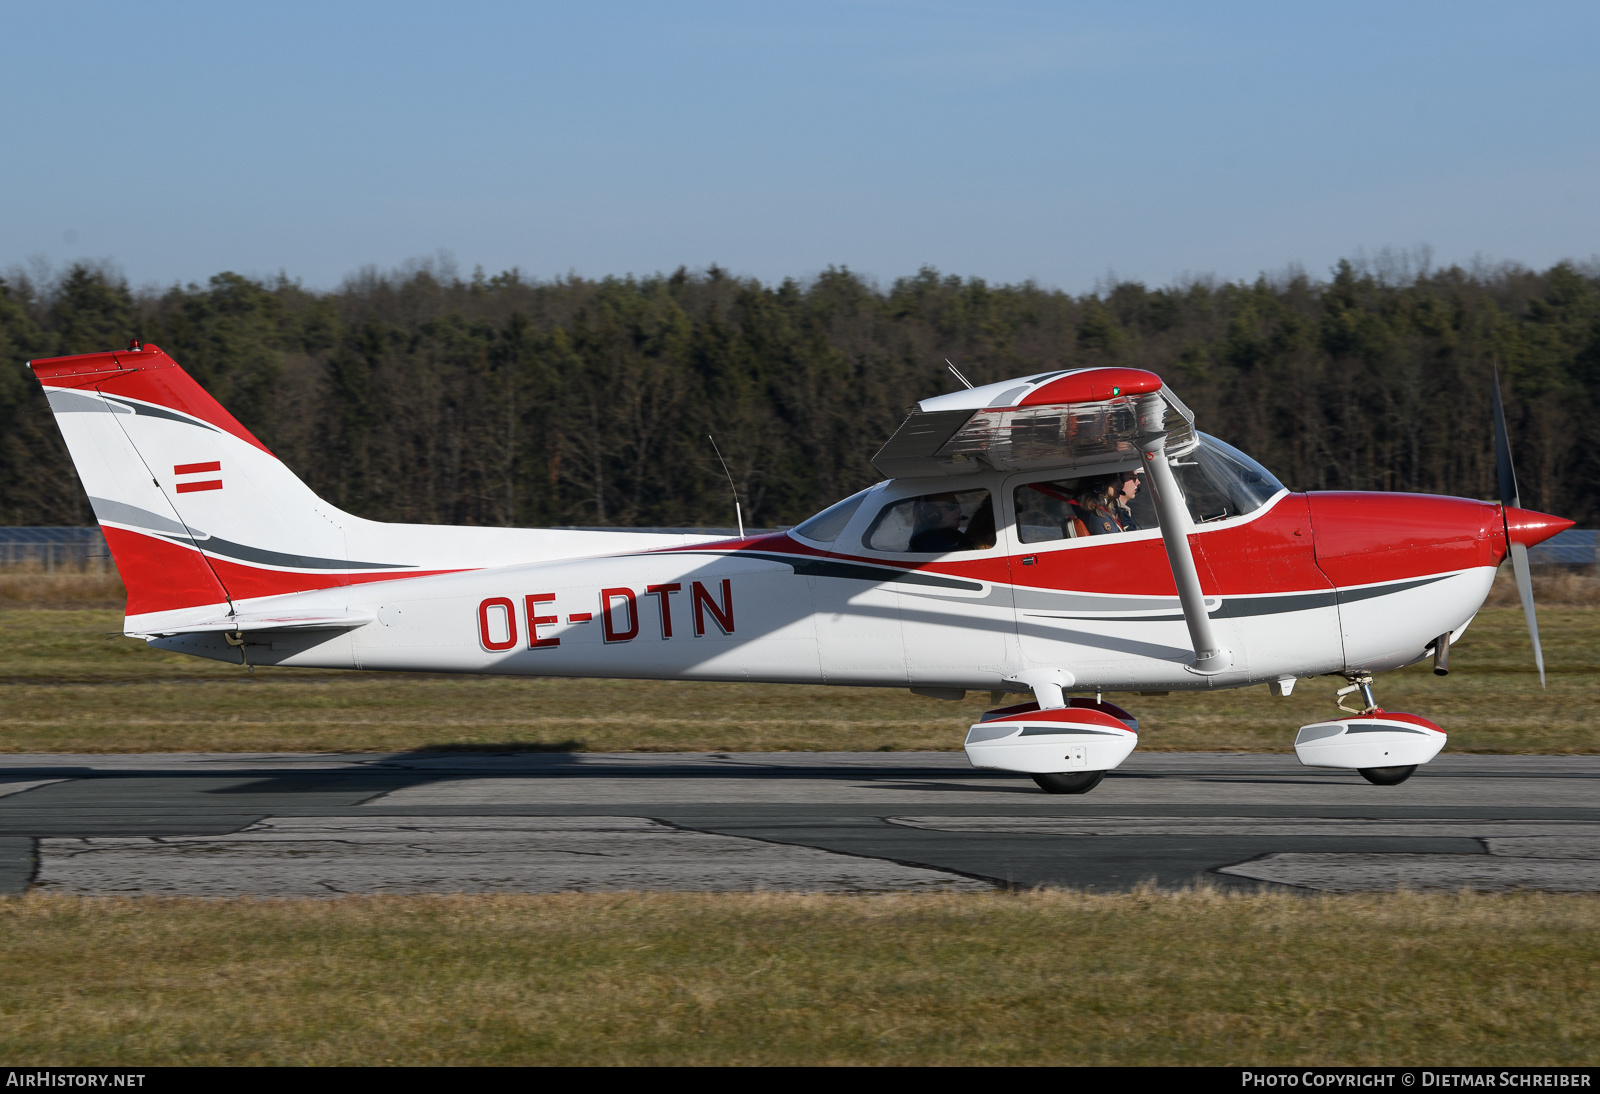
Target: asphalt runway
321, 825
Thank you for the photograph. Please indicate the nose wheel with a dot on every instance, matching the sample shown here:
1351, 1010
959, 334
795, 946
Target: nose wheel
1384, 746
1377, 776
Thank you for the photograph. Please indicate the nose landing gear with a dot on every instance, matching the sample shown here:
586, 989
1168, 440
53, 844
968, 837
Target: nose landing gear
1362, 682
1385, 747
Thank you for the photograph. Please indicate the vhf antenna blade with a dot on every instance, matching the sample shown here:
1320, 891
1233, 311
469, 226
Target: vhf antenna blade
957, 374
738, 514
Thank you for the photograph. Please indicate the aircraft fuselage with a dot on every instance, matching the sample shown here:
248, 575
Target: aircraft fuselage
1307, 584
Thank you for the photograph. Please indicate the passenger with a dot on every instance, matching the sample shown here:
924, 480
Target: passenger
1124, 499
1102, 503
938, 525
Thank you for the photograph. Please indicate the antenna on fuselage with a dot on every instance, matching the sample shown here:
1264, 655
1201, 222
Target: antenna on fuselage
957, 374
738, 514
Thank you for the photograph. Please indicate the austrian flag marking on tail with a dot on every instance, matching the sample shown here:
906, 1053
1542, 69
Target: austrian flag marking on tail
190, 485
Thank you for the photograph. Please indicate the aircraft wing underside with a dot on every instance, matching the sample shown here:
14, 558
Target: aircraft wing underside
1076, 418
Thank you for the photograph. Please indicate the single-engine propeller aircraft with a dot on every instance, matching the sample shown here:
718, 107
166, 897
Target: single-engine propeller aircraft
1068, 531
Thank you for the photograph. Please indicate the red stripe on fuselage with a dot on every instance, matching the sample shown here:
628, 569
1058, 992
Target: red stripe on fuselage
1303, 543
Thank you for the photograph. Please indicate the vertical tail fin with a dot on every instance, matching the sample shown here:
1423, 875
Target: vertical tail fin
197, 512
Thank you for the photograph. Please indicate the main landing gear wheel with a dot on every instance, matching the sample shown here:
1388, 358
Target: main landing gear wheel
1071, 782
1388, 776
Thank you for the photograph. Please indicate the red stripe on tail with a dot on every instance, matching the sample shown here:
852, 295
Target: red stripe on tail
161, 576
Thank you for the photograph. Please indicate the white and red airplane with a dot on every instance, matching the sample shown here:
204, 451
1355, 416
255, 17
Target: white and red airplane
968, 568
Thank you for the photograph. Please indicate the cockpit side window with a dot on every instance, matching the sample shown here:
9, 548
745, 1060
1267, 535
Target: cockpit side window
935, 524
1095, 505
1044, 512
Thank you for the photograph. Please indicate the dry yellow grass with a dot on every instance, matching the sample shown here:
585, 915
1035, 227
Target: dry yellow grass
31, 586
1553, 587
1038, 978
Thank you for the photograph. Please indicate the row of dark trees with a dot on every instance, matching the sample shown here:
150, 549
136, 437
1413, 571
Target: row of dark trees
423, 396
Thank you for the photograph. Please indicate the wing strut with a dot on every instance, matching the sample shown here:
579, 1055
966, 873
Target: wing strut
1173, 515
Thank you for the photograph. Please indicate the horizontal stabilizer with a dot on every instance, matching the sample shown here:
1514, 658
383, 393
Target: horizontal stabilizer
258, 622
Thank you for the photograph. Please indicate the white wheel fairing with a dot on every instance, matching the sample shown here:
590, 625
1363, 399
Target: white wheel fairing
1052, 741
1050, 753
1369, 741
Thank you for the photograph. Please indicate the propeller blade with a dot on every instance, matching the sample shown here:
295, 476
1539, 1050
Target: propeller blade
1509, 499
1519, 567
1502, 451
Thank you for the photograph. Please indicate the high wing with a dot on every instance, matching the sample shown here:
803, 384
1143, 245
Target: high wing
1075, 418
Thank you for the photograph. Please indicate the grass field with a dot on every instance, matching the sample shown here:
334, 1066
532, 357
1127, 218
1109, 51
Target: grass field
1049, 977
70, 683
1039, 978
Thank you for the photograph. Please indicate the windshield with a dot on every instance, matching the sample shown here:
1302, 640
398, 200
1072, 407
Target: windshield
1220, 481
826, 525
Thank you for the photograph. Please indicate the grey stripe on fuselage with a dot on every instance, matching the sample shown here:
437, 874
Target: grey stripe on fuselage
811, 566
1240, 607
227, 549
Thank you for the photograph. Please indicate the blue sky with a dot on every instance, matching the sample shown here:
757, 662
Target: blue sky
1062, 142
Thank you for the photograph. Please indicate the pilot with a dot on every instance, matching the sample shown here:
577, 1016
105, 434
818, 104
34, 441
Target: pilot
1124, 501
1102, 503
938, 524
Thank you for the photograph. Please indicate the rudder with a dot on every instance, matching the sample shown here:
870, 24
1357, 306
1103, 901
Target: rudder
197, 512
